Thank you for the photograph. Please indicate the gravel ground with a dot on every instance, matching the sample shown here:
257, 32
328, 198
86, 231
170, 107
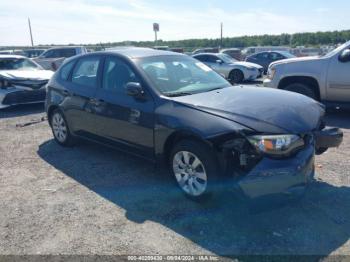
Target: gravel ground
93, 200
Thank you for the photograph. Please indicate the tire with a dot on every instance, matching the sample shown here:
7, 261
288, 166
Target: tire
195, 169
60, 129
302, 89
236, 76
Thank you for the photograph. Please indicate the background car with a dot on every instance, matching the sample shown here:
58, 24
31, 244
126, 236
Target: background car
22, 81
206, 50
266, 58
169, 107
235, 53
31, 53
52, 58
233, 70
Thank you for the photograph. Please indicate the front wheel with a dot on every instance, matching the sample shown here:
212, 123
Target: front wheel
302, 89
236, 76
195, 169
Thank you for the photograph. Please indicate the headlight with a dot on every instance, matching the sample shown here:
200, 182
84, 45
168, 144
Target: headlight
276, 144
251, 68
271, 73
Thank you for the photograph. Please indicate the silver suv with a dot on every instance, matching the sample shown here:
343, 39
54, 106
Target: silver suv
52, 58
323, 78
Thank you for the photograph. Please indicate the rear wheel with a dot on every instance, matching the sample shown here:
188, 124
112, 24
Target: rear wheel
236, 76
195, 169
302, 89
60, 129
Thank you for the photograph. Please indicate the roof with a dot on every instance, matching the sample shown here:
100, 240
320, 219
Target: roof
139, 52
11, 56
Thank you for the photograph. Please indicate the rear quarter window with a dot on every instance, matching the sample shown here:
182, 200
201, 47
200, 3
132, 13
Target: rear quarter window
85, 71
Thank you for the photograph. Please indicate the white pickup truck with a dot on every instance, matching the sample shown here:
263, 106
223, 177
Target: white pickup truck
52, 58
323, 78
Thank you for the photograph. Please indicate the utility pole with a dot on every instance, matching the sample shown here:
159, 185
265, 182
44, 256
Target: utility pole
221, 27
30, 31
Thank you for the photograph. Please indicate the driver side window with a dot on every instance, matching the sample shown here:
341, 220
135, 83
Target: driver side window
116, 74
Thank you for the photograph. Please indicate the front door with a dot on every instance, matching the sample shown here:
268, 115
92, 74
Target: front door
338, 88
121, 119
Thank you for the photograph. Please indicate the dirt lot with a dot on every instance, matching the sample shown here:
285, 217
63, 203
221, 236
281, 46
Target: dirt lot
93, 200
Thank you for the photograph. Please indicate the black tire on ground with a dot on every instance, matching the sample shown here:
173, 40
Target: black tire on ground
210, 163
68, 140
236, 76
302, 89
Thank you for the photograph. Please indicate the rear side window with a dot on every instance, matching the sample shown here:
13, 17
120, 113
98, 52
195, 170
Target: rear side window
66, 69
66, 52
85, 71
116, 74
262, 56
202, 58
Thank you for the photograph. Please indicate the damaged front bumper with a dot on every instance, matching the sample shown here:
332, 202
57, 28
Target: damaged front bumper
287, 178
16, 95
327, 138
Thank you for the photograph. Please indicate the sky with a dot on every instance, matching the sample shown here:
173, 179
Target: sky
95, 21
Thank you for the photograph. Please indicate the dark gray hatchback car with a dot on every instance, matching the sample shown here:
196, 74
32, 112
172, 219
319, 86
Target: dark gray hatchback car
166, 106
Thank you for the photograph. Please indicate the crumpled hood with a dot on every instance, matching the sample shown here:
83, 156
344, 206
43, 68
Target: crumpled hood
265, 110
26, 74
247, 64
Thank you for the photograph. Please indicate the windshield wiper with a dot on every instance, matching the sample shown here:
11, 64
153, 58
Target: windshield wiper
216, 88
178, 94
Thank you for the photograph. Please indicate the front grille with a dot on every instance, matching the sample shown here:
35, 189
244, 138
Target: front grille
23, 97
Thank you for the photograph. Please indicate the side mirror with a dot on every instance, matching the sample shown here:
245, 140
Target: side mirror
219, 61
345, 56
134, 89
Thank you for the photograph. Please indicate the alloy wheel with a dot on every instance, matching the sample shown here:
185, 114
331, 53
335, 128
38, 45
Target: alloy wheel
190, 173
59, 127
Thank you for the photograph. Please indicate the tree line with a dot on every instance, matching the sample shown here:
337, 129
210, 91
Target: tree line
293, 40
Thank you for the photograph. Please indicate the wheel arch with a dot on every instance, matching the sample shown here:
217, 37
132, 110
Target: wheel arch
307, 80
176, 137
50, 110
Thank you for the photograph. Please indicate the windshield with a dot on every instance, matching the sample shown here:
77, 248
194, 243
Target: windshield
181, 75
17, 64
337, 50
226, 58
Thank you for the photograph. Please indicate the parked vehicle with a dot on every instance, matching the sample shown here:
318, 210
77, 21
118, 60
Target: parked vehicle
162, 47
323, 78
231, 69
306, 51
235, 53
206, 50
258, 49
266, 58
22, 81
12, 52
169, 107
54, 57
31, 53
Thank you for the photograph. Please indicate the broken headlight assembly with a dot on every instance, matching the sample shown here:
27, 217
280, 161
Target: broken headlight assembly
276, 145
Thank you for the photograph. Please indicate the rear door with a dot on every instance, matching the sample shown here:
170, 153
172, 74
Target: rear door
123, 120
80, 91
338, 87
